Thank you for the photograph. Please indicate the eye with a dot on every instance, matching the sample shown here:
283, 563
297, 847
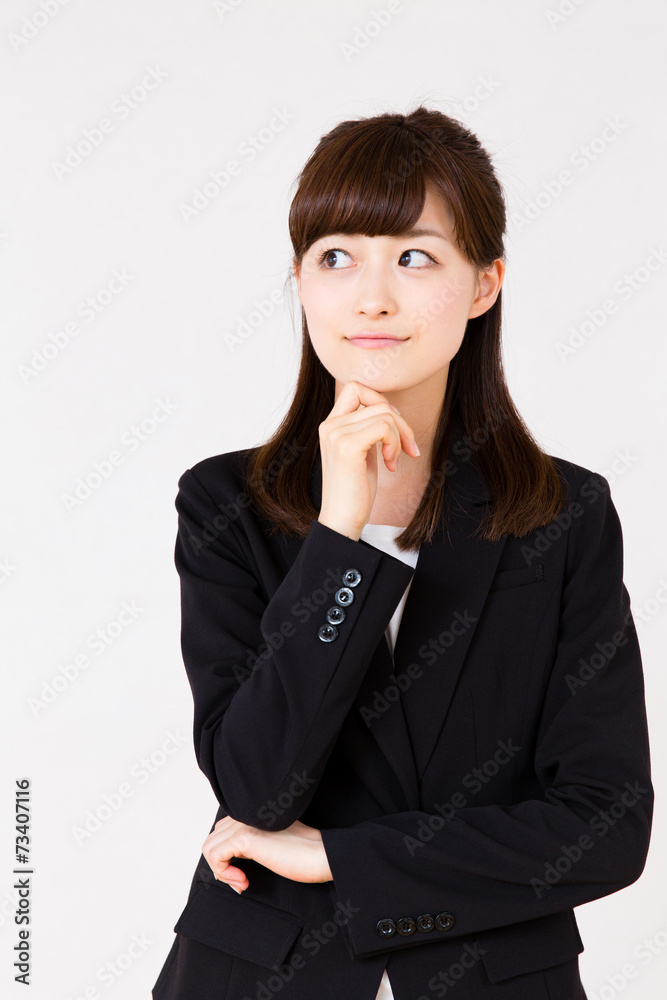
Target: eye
431, 259
329, 251
321, 257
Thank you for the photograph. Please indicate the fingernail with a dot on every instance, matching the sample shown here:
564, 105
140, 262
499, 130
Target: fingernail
235, 889
417, 451
394, 408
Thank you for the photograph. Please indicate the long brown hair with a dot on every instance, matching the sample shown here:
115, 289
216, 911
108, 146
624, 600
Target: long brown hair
369, 177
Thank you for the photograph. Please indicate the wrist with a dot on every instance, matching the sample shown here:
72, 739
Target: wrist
340, 526
325, 869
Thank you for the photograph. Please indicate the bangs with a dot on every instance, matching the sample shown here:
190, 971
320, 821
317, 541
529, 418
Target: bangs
369, 181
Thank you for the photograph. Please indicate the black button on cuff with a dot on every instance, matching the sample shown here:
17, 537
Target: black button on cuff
406, 925
444, 921
425, 922
344, 596
336, 615
327, 633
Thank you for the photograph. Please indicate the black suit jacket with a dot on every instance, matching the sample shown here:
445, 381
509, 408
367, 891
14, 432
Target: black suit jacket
471, 790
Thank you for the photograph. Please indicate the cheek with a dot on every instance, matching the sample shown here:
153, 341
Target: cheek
441, 309
322, 307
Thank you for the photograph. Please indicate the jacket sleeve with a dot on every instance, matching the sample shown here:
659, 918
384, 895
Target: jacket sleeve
270, 697
586, 837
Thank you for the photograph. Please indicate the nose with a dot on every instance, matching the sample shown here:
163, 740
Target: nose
374, 292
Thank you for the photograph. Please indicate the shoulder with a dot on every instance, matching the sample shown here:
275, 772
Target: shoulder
220, 476
579, 479
590, 511
213, 504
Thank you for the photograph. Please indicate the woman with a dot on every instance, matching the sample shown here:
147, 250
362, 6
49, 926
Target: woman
403, 813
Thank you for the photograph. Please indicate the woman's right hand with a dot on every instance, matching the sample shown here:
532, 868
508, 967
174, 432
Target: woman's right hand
360, 418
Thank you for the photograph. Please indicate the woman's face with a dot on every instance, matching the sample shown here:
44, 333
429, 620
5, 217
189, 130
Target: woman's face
417, 288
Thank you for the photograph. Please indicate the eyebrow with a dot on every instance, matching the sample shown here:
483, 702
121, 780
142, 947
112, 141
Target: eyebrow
422, 232
409, 234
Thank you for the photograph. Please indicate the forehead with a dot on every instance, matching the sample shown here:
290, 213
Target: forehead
435, 221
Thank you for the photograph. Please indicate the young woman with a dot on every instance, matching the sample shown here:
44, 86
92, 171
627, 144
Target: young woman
404, 814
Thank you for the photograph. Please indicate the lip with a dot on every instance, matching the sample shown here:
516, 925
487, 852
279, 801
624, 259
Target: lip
379, 339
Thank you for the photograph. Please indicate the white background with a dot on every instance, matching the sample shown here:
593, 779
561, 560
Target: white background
536, 87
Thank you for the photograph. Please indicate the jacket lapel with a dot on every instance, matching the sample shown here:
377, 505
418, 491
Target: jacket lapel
447, 593
450, 585
377, 710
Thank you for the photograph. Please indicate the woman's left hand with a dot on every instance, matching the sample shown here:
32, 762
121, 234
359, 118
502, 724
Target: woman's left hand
296, 852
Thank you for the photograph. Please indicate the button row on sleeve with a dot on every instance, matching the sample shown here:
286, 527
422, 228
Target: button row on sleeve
343, 598
406, 925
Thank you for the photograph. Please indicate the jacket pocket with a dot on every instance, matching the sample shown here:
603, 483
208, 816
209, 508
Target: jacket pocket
517, 577
255, 931
529, 946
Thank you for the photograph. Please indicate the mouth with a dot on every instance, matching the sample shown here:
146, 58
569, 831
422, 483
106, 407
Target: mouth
375, 341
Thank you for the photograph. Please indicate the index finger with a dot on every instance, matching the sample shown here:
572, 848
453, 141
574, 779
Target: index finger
354, 393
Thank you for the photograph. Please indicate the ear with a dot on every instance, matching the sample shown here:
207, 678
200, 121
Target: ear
488, 286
